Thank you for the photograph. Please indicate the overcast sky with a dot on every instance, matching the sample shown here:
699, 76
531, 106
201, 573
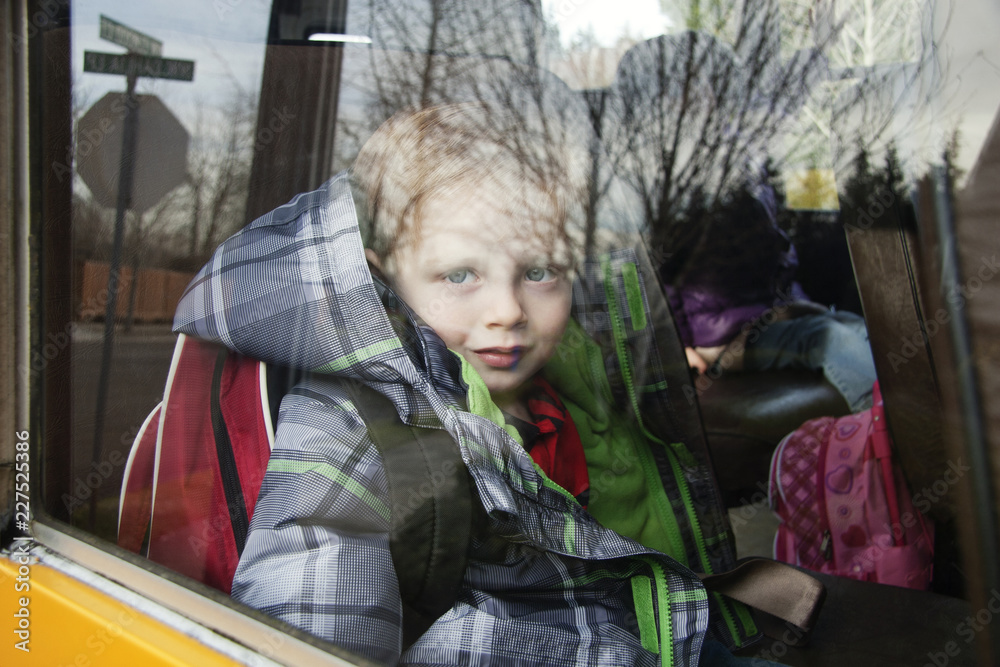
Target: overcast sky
607, 20
226, 40
972, 51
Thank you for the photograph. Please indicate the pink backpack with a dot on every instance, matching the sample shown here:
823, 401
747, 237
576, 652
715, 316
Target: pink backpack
844, 507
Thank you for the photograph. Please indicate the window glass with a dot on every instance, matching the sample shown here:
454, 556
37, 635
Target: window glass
195, 147
755, 146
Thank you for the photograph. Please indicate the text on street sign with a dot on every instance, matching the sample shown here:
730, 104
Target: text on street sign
131, 39
136, 65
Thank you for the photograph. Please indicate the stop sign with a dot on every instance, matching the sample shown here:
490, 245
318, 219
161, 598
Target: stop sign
160, 159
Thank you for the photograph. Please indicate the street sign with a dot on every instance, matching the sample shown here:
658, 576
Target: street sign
133, 40
160, 157
129, 64
126, 163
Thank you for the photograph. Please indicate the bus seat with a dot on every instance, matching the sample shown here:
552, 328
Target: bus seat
746, 415
888, 262
885, 257
874, 624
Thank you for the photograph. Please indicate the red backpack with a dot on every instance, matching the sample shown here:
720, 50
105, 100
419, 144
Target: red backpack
188, 494
195, 470
845, 509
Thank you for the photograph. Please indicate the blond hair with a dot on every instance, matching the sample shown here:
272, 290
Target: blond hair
422, 153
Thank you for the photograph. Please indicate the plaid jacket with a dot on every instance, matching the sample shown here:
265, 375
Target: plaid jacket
546, 583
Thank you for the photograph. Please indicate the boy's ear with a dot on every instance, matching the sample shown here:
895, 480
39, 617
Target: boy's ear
373, 259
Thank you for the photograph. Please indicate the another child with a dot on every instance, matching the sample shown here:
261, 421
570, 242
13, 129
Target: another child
737, 307
478, 239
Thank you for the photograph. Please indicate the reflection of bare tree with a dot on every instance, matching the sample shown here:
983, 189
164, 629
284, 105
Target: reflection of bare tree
423, 48
859, 32
432, 52
219, 170
885, 67
690, 117
688, 113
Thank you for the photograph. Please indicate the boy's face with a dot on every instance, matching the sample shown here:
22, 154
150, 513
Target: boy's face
488, 286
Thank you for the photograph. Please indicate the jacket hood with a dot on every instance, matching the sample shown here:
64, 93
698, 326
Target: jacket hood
293, 288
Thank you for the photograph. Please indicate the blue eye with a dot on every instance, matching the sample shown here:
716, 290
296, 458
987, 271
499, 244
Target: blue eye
460, 276
538, 274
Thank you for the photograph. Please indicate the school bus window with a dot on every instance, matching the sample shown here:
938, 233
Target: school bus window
768, 154
184, 107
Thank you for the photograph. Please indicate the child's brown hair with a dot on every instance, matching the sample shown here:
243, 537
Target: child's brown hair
422, 153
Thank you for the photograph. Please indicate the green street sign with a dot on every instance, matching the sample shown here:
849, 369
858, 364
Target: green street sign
130, 64
131, 39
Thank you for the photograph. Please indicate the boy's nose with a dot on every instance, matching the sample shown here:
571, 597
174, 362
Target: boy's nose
504, 309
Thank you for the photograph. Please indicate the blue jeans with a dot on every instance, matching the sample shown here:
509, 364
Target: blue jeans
715, 654
833, 342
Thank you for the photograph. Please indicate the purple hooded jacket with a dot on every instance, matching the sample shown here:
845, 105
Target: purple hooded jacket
710, 311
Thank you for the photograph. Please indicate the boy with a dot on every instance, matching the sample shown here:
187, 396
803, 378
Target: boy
477, 239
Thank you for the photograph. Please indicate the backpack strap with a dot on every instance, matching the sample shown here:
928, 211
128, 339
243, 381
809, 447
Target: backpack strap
882, 447
430, 495
135, 502
431, 500
783, 593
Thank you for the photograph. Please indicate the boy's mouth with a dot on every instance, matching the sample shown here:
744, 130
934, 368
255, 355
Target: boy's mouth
500, 357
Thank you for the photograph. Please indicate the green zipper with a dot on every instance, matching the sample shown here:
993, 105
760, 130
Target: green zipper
645, 456
727, 612
666, 624
618, 329
662, 504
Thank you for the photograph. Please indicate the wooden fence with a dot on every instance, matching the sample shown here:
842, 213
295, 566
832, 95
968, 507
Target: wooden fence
157, 292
